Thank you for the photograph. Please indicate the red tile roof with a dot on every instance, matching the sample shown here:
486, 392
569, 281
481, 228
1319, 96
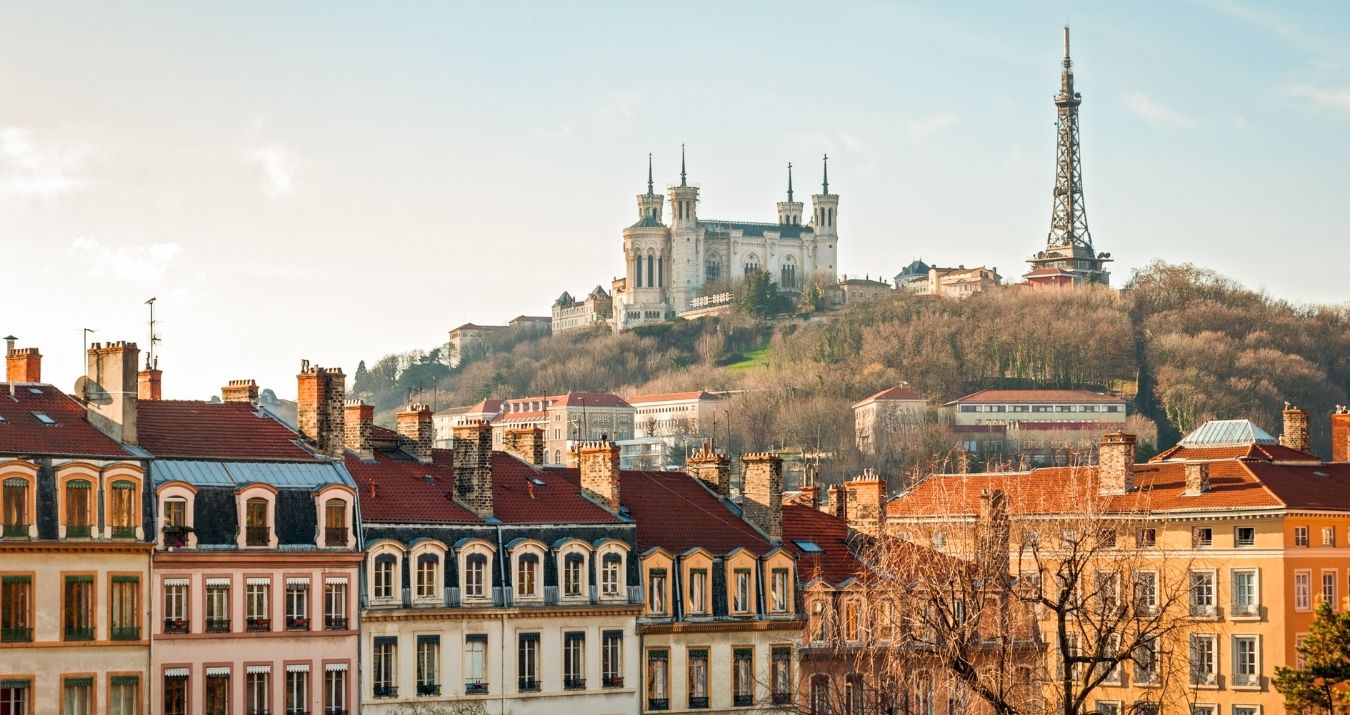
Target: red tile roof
216, 430
1020, 396
1304, 486
836, 563
22, 433
899, 392
1255, 451
588, 399
672, 396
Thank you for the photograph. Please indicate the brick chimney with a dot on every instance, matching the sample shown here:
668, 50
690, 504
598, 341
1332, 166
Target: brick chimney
320, 405
1115, 463
22, 364
993, 532
599, 463
711, 468
762, 493
472, 444
526, 443
357, 421
1197, 478
1340, 434
836, 502
150, 384
111, 389
865, 495
414, 426
1295, 432
240, 391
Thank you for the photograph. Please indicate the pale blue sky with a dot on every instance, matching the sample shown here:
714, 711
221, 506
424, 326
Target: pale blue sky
339, 181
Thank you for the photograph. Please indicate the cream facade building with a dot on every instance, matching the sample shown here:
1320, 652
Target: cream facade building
669, 265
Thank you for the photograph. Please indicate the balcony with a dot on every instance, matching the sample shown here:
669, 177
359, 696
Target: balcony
335, 536
126, 633
742, 700
1203, 610
78, 531
335, 623
15, 531
574, 683
124, 532
658, 703
175, 625
1245, 610
385, 691
782, 698
475, 687
297, 623
1246, 680
698, 703
428, 690
217, 625
1204, 680
529, 685
257, 711
612, 681
257, 625
78, 634
17, 634
257, 536
176, 537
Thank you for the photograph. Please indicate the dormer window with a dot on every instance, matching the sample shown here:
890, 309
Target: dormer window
611, 575
475, 576
428, 568
175, 516
123, 513
16, 493
574, 566
335, 522
78, 515
385, 565
527, 576
741, 600
257, 530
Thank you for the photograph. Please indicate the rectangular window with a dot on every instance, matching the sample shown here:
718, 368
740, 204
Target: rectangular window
258, 604
426, 575
1301, 536
1108, 707
16, 609
1204, 665
77, 697
610, 575
78, 608
124, 608
122, 511
698, 589
257, 692
297, 690
175, 605
780, 591
16, 696
297, 604
1328, 536
217, 606
428, 665
335, 691
256, 531
475, 573
1246, 598
574, 660
1246, 661
1205, 709
1302, 590
175, 513
124, 694
741, 602
851, 630
573, 575
742, 677
1146, 591
1246, 710
384, 667
698, 678
782, 675
1146, 664
217, 694
656, 598
1202, 536
1147, 537
527, 662
175, 695
79, 524
1329, 588
658, 680
335, 523
335, 605
16, 516
384, 576
611, 659
475, 664
1202, 593
1244, 536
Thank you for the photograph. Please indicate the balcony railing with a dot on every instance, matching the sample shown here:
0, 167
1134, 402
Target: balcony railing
297, 623
257, 711
741, 700
698, 703
574, 683
1245, 610
257, 536
17, 634
1204, 678
613, 681
176, 537
78, 531
1203, 610
386, 691
529, 685
428, 689
335, 623
475, 687
175, 625
1246, 679
126, 633
335, 536
217, 625
658, 703
258, 625
124, 532
79, 633
782, 698
16, 531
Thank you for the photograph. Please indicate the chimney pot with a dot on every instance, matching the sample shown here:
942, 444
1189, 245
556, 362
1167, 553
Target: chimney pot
22, 364
240, 391
527, 443
864, 498
712, 469
357, 423
1340, 434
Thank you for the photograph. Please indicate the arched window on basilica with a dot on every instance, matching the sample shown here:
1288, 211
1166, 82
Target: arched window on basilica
788, 273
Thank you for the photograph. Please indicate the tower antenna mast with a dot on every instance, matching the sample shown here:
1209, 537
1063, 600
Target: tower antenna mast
152, 362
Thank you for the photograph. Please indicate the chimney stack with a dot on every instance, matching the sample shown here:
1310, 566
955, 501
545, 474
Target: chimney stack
1340, 434
762, 493
240, 391
112, 389
864, 498
414, 426
526, 443
712, 469
1115, 463
473, 466
1295, 432
320, 405
599, 463
357, 422
22, 364
150, 384
836, 502
1197, 478
994, 529
810, 488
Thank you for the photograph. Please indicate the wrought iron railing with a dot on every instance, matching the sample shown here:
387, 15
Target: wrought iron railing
17, 634
335, 623
78, 531
258, 625
257, 536
175, 625
335, 536
386, 691
217, 625
16, 531
428, 689
297, 623
124, 532
79, 633
475, 687
574, 683
126, 633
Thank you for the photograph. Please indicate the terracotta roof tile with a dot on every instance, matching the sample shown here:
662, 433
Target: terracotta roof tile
215, 430
1254, 451
1019, 396
71, 435
899, 392
836, 562
672, 396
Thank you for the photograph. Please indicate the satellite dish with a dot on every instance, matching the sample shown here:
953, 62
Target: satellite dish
92, 392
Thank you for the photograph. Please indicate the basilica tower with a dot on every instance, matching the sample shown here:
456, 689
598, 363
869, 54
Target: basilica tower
790, 212
686, 242
646, 249
825, 214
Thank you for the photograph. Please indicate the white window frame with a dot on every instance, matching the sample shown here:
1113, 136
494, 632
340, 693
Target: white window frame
1253, 609
1255, 675
1303, 590
1210, 608
1208, 676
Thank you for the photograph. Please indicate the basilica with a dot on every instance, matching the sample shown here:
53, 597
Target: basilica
672, 267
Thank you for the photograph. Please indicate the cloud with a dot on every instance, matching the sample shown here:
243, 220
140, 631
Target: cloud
277, 171
1336, 99
851, 142
1155, 112
31, 168
128, 263
920, 130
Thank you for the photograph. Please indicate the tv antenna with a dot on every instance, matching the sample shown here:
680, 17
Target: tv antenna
152, 362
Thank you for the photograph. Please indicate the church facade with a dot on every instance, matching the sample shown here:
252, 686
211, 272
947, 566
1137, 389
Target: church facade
669, 265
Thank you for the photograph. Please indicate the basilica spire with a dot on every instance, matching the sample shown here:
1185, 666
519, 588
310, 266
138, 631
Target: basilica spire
825, 183
650, 189
682, 177
789, 182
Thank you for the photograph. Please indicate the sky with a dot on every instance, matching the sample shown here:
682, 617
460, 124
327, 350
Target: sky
338, 181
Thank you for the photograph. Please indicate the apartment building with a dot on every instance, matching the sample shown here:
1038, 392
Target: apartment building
566, 420
666, 422
887, 415
1042, 427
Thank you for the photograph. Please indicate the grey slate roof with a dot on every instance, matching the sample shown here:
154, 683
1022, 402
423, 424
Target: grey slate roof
295, 475
751, 228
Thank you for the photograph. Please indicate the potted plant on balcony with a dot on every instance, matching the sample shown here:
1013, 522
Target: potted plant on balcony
176, 537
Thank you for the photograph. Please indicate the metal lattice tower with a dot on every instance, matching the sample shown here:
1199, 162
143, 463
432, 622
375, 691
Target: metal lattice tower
1068, 221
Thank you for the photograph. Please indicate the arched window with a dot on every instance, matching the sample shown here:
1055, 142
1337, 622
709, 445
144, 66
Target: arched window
384, 575
574, 575
788, 278
427, 569
611, 575
175, 513
17, 514
712, 270
123, 513
820, 695
660, 272
256, 531
650, 264
751, 264
527, 575
475, 576
79, 517
637, 271
335, 522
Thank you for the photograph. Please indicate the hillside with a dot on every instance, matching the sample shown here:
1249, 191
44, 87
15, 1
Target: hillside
1185, 343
